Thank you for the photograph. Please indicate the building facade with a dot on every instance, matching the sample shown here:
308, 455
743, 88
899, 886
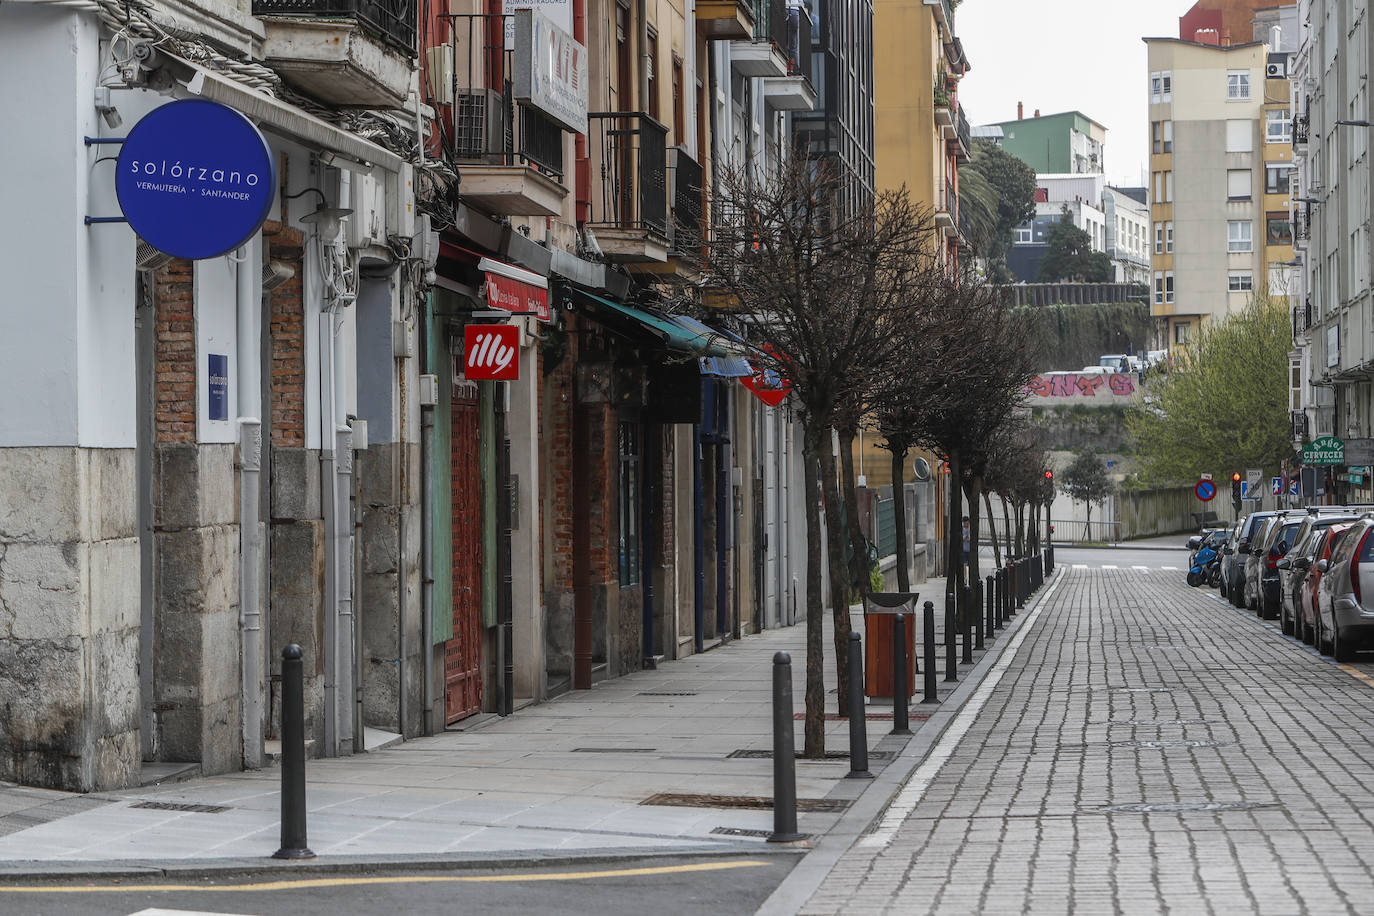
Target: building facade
1065, 143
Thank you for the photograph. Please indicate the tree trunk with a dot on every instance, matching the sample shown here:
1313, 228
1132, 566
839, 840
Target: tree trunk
1019, 509
954, 539
975, 489
992, 532
839, 587
1006, 518
1088, 522
858, 544
813, 746
1033, 528
899, 517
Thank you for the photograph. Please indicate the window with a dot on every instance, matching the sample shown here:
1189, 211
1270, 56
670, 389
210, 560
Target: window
679, 109
1295, 384
651, 64
1169, 286
1161, 86
1159, 287
1024, 235
629, 504
1278, 231
1238, 184
1278, 126
1168, 136
1240, 281
1181, 333
1155, 89
1159, 238
1237, 85
1276, 179
1169, 187
1240, 136
1238, 236
1169, 237
1156, 136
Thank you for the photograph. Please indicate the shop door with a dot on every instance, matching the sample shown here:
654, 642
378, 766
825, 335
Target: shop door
463, 653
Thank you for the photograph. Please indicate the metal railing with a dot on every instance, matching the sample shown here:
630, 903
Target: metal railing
799, 43
633, 170
392, 20
1300, 426
1073, 530
687, 201
770, 21
1302, 222
885, 521
964, 131
483, 122
1300, 126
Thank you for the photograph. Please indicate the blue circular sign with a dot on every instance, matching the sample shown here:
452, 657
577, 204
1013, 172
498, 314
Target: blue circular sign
195, 179
1205, 490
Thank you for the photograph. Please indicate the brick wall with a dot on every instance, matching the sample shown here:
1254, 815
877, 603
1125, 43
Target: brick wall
559, 396
288, 340
174, 354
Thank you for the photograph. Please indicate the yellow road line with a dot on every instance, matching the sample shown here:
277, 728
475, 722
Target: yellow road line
1357, 673
305, 883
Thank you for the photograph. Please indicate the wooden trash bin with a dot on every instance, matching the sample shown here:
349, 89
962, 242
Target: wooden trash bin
879, 610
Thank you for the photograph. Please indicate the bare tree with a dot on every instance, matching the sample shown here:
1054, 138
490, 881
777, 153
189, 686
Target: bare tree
821, 286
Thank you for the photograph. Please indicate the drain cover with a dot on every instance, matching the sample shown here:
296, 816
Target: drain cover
613, 750
175, 806
667, 693
765, 754
740, 831
1171, 742
676, 800
1179, 807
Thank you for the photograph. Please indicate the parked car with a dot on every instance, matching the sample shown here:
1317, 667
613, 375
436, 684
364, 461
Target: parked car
1345, 599
1230, 561
1305, 624
1120, 362
1293, 567
1233, 576
1253, 553
1277, 540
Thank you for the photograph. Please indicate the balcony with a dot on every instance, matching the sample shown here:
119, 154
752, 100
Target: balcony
509, 156
794, 92
946, 211
1300, 128
763, 56
964, 134
342, 52
630, 214
1302, 224
944, 118
686, 227
725, 19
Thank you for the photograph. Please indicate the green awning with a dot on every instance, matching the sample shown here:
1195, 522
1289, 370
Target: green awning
673, 334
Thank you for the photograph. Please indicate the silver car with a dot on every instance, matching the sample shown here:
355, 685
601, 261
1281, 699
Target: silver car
1345, 597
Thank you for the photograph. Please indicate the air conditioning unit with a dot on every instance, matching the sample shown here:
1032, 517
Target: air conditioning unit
149, 258
479, 123
1277, 70
439, 73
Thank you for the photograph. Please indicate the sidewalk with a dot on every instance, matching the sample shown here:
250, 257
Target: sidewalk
573, 777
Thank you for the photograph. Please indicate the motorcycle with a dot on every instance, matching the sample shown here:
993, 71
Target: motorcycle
1206, 566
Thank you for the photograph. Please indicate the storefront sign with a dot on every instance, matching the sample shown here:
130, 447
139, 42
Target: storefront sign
559, 12
513, 289
217, 396
550, 70
1328, 450
491, 352
767, 384
195, 179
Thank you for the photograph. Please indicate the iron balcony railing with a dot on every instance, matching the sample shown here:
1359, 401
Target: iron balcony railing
799, 44
1301, 222
393, 21
770, 21
1298, 325
1309, 314
964, 131
479, 116
1300, 426
687, 202
1300, 126
633, 170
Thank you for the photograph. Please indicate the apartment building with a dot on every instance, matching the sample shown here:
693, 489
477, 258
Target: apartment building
1220, 158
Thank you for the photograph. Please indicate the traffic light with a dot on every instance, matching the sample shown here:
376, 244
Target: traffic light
1049, 475
1235, 490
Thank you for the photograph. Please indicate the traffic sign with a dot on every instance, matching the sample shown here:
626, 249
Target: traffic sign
1205, 490
1254, 477
1249, 490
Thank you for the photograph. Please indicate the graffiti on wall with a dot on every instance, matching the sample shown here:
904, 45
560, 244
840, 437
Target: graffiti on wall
1080, 384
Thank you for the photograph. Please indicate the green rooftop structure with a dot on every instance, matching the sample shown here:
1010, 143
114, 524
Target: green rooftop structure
1059, 144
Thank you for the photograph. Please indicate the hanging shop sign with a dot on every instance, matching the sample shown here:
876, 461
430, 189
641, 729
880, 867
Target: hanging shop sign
491, 353
217, 385
1328, 450
768, 385
550, 70
514, 290
195, 179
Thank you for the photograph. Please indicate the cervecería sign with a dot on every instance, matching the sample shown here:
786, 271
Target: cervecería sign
1328, 450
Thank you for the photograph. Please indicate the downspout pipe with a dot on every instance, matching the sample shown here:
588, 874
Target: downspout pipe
427, 552
248, 314
330, 511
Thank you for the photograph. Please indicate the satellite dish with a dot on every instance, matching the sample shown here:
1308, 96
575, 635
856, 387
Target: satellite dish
922, 469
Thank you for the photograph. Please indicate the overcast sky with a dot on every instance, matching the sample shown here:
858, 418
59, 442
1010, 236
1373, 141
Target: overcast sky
1061, 55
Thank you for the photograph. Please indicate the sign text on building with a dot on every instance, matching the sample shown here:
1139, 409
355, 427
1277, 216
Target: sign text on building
1328, 450
491, 353
550, 70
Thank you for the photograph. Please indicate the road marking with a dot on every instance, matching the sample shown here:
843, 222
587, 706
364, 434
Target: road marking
905, 803
158, 911
1108, 566
1169, 568
1143, 569
1357, 673
305, 883
1080, 566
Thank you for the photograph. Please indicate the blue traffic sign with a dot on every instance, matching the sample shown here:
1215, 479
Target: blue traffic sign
1205, 490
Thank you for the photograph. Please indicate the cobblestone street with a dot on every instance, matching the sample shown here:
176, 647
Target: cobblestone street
1147, 749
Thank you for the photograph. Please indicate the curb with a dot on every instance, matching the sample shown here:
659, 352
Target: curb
791, 895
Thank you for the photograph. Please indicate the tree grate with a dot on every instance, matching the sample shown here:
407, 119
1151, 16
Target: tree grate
667, 693
741, 831
180, 806
679, 800
765, 754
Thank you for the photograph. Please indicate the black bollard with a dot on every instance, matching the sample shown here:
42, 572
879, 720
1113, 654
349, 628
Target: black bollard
858, 724
991, 611
928, 653
951, 626
965, 625
975, 607
784, 755
292, 757
1020, 585
900, 694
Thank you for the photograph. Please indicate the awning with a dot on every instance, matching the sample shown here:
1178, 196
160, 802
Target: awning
671, 331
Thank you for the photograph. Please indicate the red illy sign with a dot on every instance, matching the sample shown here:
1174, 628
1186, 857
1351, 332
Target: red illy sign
767, 385
492, 353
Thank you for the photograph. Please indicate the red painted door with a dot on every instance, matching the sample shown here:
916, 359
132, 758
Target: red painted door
463, 653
